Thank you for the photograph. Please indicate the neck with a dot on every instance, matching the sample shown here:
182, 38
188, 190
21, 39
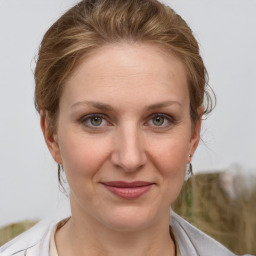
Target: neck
85, 236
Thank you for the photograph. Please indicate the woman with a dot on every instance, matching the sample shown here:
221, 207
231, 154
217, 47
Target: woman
120, 87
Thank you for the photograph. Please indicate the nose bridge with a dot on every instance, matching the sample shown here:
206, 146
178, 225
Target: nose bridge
129, 151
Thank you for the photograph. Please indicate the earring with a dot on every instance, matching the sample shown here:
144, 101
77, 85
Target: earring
189, 172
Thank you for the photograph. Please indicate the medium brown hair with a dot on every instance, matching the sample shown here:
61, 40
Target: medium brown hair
93, 23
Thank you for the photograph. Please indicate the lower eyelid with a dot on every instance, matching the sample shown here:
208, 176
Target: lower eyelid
85, 119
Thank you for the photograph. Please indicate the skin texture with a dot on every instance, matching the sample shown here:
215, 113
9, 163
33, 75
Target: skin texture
143, 132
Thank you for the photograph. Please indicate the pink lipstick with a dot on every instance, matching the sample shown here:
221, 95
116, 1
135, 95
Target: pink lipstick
128, 190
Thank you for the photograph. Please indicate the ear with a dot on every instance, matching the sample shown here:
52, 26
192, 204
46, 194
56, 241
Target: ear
50, 139
195, 135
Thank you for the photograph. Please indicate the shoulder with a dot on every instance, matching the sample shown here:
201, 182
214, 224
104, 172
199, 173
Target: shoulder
194, 242
34, 241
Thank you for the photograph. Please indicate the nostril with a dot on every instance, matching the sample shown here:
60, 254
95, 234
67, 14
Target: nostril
129, 164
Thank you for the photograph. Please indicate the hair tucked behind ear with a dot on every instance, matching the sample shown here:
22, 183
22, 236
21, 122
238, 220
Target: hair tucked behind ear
93, 23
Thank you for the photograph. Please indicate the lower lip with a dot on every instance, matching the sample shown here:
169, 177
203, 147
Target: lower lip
129, 193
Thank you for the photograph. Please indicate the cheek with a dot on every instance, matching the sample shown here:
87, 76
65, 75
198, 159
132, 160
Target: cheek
82, 160
82, 155
170, 159
171, 156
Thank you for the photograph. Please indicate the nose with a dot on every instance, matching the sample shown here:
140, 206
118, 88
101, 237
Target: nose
129, 150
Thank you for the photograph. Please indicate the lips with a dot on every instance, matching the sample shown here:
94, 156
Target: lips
128, 190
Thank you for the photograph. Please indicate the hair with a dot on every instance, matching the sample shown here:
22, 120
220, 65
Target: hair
92, 24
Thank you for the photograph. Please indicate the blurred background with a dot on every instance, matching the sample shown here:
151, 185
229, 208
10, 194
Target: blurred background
225, 30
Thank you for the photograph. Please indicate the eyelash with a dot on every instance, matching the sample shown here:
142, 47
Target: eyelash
167, 118
89, 118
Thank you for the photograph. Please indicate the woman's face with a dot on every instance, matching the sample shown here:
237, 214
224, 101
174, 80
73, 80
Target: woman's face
124, 135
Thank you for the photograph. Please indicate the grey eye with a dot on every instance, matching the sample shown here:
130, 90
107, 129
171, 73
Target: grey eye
96, 120
158, 120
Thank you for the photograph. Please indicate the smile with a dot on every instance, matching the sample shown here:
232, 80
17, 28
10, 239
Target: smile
128, 190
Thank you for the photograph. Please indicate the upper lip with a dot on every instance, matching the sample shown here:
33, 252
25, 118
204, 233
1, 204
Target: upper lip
125, 184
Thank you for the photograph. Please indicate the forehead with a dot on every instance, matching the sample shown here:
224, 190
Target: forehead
125, 70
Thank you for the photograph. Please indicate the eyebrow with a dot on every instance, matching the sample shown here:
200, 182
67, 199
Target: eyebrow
98, 105
163, 104
107, 107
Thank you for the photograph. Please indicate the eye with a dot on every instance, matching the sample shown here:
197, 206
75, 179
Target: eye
94, 120
161, 120
158, 120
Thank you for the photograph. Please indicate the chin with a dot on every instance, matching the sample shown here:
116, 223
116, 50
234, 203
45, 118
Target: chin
129, 219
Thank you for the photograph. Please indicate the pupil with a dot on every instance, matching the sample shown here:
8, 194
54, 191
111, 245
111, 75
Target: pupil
158, 120
96, 121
